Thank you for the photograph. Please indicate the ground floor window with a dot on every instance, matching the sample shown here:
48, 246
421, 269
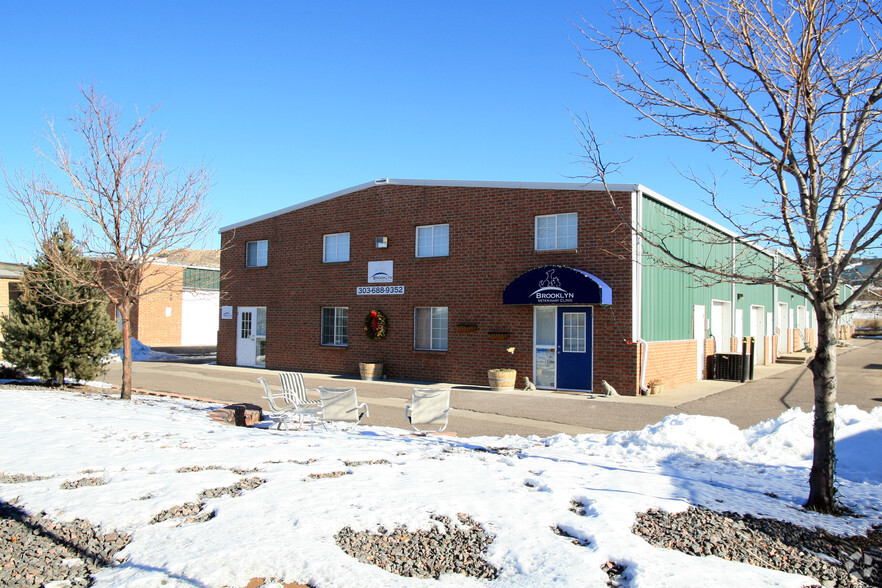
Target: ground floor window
335, 326
430, 328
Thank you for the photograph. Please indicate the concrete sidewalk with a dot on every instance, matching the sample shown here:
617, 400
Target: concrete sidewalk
480, 411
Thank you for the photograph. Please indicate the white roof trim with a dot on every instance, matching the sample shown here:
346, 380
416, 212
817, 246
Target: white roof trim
510, 185
297, 206
680, 208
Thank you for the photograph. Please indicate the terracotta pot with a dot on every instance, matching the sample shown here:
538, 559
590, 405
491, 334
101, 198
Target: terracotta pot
371, 371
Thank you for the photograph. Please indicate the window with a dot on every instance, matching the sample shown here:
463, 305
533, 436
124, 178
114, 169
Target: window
430, 328
255, 254
433, 241
260, 337
574, 332
336, 248
557, 231
335, 326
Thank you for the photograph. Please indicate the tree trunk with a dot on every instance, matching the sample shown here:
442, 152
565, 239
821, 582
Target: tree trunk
125, 313
823, 367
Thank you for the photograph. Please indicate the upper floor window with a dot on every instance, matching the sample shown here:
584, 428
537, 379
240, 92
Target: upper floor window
335, 326
430, 328
557, 231
433, 241
336, 248
255, 254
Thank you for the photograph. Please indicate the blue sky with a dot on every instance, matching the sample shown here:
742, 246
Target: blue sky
286, 101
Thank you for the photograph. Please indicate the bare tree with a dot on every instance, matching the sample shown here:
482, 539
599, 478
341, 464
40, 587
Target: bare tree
789, 90
134, 208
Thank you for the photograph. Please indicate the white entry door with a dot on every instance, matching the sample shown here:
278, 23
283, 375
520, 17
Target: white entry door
721, 325
758, 332
783, 331
739, 329
246, 337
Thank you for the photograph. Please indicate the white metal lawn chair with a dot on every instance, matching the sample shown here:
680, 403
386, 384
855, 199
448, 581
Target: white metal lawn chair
280, 411
341, 404
294, 390
429, 408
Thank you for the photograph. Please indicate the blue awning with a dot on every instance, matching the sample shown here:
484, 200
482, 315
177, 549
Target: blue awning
557, 284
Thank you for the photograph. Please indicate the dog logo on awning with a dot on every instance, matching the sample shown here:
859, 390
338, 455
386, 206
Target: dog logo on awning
550, 288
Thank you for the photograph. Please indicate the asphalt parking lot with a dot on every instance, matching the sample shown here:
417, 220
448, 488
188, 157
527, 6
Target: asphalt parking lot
480, 411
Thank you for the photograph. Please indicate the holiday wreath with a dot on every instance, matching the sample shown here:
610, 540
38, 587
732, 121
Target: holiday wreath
375, 325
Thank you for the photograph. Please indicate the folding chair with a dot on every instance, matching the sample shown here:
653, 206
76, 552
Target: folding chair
430, 407
341, 404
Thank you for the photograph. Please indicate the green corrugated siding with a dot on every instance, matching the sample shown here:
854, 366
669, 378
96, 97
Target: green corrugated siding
669, 294
201, 279
787, 271
752, 262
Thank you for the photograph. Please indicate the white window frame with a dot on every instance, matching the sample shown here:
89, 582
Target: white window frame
435, 318
256, 257
340, 329
557, 240
575, 334
332, 248
437, 238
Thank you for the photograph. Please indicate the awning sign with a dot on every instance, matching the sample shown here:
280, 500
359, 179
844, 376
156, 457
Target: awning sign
557, 284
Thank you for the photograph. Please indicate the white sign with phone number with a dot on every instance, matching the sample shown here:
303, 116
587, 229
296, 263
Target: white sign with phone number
362, 290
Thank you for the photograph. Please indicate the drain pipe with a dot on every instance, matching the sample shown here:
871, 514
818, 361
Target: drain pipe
645, 344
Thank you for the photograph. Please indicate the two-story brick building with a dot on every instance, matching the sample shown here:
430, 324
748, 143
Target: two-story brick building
544, 278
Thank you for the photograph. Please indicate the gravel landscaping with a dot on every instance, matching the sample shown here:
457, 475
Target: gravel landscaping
768, 543
35, 551
446, 548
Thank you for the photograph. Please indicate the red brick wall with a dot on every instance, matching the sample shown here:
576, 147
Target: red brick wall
491, 243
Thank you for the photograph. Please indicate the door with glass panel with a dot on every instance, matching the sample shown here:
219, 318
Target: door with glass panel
251, 336
562, 353
574, 348
545, 347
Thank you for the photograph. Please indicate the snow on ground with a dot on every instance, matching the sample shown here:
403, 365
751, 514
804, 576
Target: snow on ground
518, 488
141, 352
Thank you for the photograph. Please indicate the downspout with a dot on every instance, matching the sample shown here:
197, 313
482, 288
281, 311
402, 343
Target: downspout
733, 310
645, 344
637, 289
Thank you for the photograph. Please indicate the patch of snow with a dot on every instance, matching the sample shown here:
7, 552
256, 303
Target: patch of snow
141, 352
518, 488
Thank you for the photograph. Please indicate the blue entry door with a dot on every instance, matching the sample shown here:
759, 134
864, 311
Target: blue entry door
574, 347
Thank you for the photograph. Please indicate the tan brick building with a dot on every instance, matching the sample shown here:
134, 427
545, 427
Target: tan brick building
185, 312
544, 278
10, 277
